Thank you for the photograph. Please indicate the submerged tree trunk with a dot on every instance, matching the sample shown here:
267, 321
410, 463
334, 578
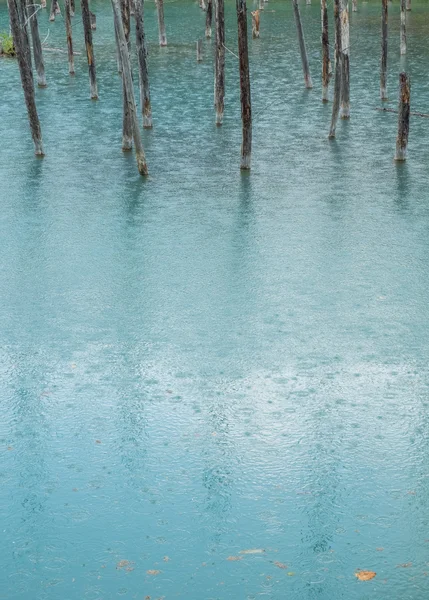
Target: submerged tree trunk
127, 77
383, 65
142, 60
127, 126
37, 46
345, 58
403, 28
161, 23
220, 61
89, 49
17, 26
403, 117
302, 48
209, 15
338, 70
246, 105
67, 13
325, 51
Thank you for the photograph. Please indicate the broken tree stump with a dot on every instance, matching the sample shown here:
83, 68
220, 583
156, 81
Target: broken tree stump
302, 48
93, 20
246, 105
383, 64
209, 16
142, 61
161, 23
55, 10
89, 49
403, 117
220, 61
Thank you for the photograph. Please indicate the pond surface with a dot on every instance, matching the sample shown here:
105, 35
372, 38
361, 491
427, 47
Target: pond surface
206, 362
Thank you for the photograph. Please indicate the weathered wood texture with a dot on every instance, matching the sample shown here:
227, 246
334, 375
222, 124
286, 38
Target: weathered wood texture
304, 58
126, 68
403, 31
255, 23
37, 46
338, 70
69, 35
25, 70
219, 61
127, 126
199, 50
403, 117
383, 63
325, 50
161, 23
246, 105
143, 67
55, 10
209, 17
345, 60
89, 49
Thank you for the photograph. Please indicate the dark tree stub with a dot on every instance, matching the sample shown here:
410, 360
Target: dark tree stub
246, 105
403, 28
209, 16
345, 62
67, 19
26, 73
255, 23
127, 78
143, 69
302, 48
127, 126
383, 63
403, 117
219, 61
37, 46
161, 23
338, 70
93, 19
325, 50
89, 49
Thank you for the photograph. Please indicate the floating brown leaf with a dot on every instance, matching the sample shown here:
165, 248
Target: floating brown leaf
280, 565
365, 575
379, 549
98, 441
232, 558
252, 551
153, 572
125, 564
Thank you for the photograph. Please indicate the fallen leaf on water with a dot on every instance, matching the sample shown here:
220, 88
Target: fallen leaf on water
280, 565
404, 565
379, 549
291, 574
252, 551
124, 564
153, 572
365, 575
98, 441
232, 558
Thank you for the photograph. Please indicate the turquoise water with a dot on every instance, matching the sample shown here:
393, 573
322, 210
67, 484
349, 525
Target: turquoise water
207, 362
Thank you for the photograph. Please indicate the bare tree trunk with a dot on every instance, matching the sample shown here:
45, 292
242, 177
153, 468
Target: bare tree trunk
408, 4
345, 51
55, 10
17, 26
383, 67
126, 68
255, 24
161, 23
302, 48
209, 15
220, 61
142, 60
43, 3
37, 46
89, 49
338, 70
202, 4
246, 105
354, 5
72, 8
325, 51
199, 50
127, 126
403, 29
403, 117
118, 53
67, 13
25, 38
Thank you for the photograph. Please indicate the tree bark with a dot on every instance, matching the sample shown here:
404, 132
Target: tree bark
403, 117
202, 4
403, 28
25, 70
246, 104
37, 46
255, 23
345, 51
325, 51
126, 68
383, 65
161, 23
220, 61
302, 48
89, 49
209, 15
338, 70
127, 126
55, 10
67, 13
143, 68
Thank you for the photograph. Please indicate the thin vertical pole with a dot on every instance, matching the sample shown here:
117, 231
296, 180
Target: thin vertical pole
325, 50
403, 28
246, 105
89, 49
338, 70
220, 61
302, 48
403, 117
143, 68
161, 23
383, 65
127, 126
345, 51
68, 24
37, 46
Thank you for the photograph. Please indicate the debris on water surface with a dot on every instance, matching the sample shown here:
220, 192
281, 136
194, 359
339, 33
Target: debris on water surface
233, 558
153, 572
404, 565
252, 551
10, 448
379, 549
166, 558
365, 575
125, 564
280, 565
291, 574
98, 441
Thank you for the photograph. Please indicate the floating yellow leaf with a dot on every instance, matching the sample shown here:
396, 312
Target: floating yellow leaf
252, 551
232, 558
280, 565
153, 572
291, 574
365, 575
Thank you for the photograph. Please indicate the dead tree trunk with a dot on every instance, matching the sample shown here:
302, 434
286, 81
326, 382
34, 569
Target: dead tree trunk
72, 8
403, 28
354, 5
345, 51
403, 117
255, 23
325, 51
89, 49
118, 54
246, 105
126, 68
93, 19
55, 10
383, 66
302, 48
67, 12
26, 73
338, 70
161, 23
25, 38
37, 46
408, 4
202, 4
209, 16
127, 126
199, 50
142, 60
220, 61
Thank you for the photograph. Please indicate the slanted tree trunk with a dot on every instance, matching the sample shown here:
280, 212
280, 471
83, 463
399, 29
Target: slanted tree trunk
403, 117
403, 28
67, 13
345, 60
25, 70
161, 23
127, 126
325, 51
142, 60
220, 61
338, 70
118, 54
126, 68
25, 38
246, 105
199, 50
302, 48
89, 49
209, 15
37, 46
383, 64
255, 23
